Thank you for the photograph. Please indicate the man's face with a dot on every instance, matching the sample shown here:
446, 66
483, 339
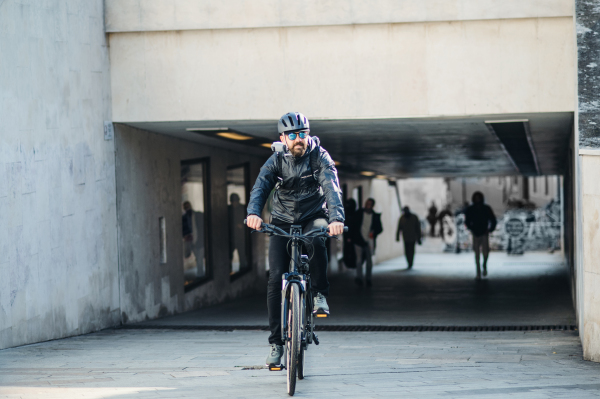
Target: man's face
297, 146
369, 206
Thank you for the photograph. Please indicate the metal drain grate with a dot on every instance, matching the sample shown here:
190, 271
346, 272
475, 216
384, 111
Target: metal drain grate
359, 328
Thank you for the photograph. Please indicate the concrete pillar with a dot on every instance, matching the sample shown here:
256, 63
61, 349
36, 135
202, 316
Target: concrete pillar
587, 122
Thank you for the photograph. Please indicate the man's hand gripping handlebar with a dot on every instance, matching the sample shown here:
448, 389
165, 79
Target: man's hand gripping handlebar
334, 229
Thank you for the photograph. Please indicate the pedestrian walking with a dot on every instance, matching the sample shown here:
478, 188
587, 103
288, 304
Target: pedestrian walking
432, 217
480, 220
367, 224
446, 212
410, 227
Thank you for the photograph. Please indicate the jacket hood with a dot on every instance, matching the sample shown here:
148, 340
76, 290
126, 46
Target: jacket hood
312, 144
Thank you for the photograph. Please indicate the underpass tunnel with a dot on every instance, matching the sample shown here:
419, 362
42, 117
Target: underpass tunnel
394, 96
194, 178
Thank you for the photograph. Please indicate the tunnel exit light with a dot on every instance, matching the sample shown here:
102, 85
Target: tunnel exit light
508, 121
234, 136
207, 129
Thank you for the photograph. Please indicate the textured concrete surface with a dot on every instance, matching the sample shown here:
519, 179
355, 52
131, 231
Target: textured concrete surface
58, 237
156, 15
588, 133
359, 71
182, 364
590, 186
588, 72
439, 291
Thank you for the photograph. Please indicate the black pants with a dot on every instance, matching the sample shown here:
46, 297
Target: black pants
409, 252
279, 263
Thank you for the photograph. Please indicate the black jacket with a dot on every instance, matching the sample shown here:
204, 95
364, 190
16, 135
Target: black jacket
299, 197
410, 227
376, 227
480, 219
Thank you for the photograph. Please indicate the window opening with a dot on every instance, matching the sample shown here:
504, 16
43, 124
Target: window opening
239, 235
194, 220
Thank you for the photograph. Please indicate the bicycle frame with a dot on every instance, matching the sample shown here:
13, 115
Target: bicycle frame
296, 291
300, 278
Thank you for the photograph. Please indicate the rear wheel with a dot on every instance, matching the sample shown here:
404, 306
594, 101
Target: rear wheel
293, 338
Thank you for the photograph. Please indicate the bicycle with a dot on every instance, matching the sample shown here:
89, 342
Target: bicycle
297, 316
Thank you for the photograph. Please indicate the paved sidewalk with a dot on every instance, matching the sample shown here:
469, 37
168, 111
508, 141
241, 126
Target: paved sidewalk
206, 364
440, 290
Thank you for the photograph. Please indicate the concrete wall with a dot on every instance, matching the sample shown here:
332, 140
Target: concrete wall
588, 148
361, 71
148, 169
58, 241
160, 15
590, 209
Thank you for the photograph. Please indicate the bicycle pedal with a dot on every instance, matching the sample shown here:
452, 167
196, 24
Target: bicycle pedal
276, 367
321, 314
316, 339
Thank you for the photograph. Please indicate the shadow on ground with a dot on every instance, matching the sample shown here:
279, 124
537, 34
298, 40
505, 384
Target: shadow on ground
440, 290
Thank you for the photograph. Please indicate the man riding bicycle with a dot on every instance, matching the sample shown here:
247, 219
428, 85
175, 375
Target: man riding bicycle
307, 194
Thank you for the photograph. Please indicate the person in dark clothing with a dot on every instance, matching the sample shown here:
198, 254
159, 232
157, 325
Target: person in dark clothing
366, 227
410, 227
237, 233
445, 212
193, 236
307, 193
432, 218
349, 251
480, 220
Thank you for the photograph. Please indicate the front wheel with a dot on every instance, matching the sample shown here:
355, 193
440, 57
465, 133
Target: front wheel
301, 360
303, 345
293, 338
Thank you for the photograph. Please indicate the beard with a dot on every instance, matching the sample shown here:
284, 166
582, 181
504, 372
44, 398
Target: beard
298, 150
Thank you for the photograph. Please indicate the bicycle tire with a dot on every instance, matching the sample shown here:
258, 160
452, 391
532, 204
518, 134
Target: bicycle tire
301, 358
302, 353
293, 343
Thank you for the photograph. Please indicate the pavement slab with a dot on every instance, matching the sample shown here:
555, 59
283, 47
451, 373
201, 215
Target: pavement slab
205, 364
161, 360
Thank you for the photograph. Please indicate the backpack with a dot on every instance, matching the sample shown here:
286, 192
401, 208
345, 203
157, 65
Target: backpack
313, 161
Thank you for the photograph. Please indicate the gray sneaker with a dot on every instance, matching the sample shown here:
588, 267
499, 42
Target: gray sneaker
320, 304
275, 354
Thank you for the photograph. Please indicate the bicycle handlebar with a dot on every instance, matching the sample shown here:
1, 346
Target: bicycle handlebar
271, 228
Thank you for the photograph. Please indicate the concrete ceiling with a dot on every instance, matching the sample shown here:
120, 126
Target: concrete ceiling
415, 147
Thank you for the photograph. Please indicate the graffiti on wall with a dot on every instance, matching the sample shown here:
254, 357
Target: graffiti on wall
518, 230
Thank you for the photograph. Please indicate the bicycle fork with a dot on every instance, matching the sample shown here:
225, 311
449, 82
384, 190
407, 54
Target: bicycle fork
289, 279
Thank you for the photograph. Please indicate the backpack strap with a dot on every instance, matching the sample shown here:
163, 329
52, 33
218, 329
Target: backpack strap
279, 163
314, 158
